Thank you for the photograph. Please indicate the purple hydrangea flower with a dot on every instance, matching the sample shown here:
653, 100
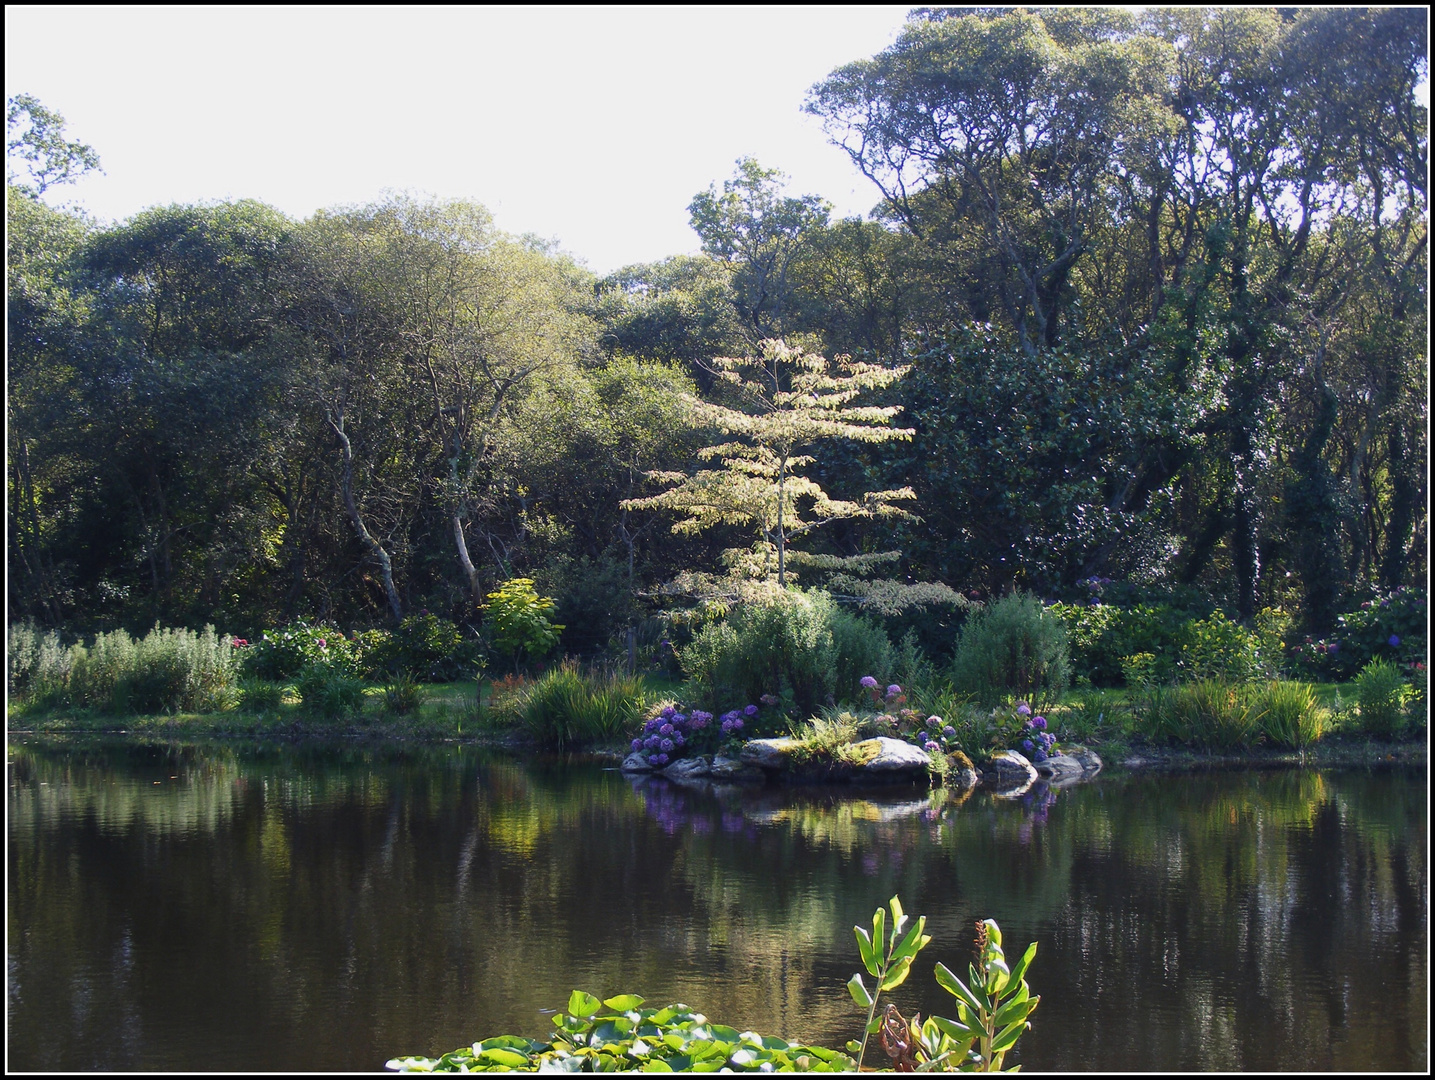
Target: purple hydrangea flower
637, 745
1028, 745
652, 726
652, 742
934, 721
668, 711
930, 747
726, 725
678, 718
1023, 709
701, 719
869, 682
751, 710
737, 724
666, 729
949, 732
678, 738
1394, 641
1040, 755
666, 745
1334, 646
1039, 723
893, 690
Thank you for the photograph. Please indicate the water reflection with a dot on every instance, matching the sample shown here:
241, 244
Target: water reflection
326, 907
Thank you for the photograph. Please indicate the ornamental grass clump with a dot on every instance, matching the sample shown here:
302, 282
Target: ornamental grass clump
1288, 714
568, 706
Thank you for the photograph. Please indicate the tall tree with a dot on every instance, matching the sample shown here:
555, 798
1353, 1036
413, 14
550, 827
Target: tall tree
789, 400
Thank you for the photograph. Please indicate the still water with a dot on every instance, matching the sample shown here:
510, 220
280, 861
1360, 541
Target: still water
260, 908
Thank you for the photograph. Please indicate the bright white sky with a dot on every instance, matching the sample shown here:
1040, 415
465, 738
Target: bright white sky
592, 126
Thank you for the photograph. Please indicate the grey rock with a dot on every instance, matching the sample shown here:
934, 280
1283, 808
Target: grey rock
1007, 770
688, 768
1060, 767
768, 753
733, 769
961, 775
1088, 760
636, 762
896, 756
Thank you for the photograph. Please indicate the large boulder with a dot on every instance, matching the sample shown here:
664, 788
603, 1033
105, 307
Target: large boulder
1087, 759
1059, 768
769, 753
1006, 770
688, 768
894, 758
729, 770
636, 763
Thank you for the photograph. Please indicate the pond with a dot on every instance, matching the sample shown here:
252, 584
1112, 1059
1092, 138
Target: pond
241, 907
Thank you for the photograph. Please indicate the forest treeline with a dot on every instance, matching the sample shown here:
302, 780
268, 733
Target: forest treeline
1159, 281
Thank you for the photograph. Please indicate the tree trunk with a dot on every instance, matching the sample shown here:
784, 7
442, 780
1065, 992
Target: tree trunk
375, 548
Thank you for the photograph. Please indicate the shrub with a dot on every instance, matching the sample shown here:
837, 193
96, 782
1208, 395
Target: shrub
285, 651
330, 691
431, 649
782, 645
1217, 648
518, 620
1381, 693
860, 647
1101, 635
1014, 647
1288, 714
38, 665
568, 706
1387, 627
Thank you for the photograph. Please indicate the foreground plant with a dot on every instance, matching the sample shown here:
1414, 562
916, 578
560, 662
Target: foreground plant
618, 1035
993, 1006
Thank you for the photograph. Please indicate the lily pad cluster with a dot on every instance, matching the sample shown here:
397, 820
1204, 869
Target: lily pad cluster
619, 1035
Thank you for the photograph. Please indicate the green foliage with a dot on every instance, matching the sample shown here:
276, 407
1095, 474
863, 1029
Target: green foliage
860, 647
993, 1006
1382, 694
405, 695
788, 400
1391, 627
430, 648
260, 695
37, 665
285, 651
619, 1035
1209, 713
1289, 714
1013, 647
329, 691
782, 645
1103, 635
518, 620
1217, 648
166, 671
567, 706
35, 142
888, 959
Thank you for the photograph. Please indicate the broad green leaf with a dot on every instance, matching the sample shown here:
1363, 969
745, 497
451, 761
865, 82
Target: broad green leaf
741, 1057
958, 989
723, 1033
858, 989
1009, 1011
1018, 972
977, 987
994, 933
500, 1056
879, 937
1007, 1037
656, 1065
874, 1025
639, 1049
865, 950
623, 1002
914, 942
583, 1005
896, 974
959, 1032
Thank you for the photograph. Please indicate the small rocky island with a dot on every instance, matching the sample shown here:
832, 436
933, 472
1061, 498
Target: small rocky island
880, 760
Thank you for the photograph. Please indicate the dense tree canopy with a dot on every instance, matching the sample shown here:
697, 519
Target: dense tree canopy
1155, 284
